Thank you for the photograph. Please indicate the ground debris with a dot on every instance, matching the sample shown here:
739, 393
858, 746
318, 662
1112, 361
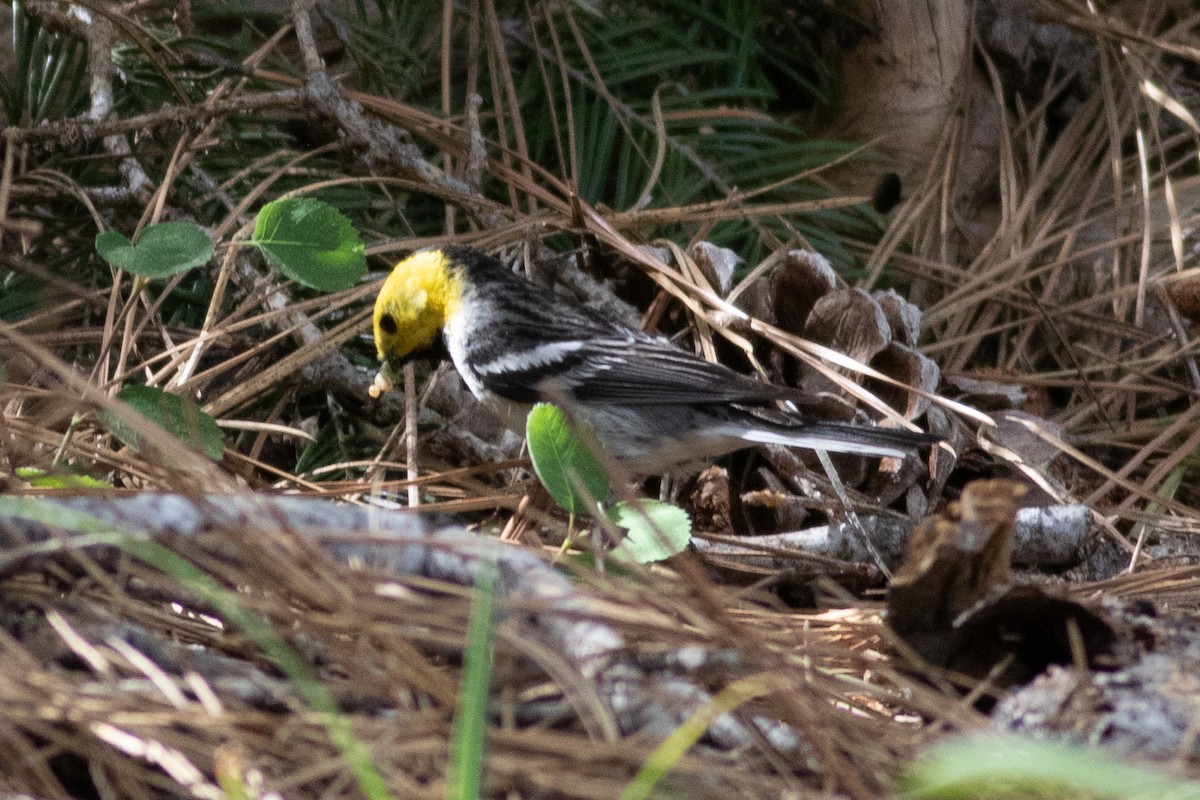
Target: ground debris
373, 605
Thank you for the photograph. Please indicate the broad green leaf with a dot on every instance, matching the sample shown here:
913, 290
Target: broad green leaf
179, 417
562, 461
655, 530
162, 250
310, 242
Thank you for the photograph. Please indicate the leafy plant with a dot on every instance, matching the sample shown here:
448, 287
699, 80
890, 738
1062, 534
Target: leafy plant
304, 238
564, 463
310, 242
161, 251
390, 42
654, 530
672, 103
46, 79
1016, 767
178, 416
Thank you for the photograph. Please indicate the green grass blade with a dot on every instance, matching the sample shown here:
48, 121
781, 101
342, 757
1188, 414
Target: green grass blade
673, 748
464, 772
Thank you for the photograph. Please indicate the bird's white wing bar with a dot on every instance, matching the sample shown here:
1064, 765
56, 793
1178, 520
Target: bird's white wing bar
534, 358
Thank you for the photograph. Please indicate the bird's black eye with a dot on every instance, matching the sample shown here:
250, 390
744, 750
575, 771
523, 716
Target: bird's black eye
387, 324
887, 193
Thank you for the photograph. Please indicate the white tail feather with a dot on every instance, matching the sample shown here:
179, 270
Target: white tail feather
818, 442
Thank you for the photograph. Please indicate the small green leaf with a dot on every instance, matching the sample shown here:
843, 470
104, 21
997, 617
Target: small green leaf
562, 461
1018, 767
310, 242
655, 530
162, 250
179, 417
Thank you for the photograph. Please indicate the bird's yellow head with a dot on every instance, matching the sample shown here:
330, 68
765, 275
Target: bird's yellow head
422, 292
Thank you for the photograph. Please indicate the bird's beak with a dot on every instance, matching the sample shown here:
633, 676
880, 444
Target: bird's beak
385, 380
391, 371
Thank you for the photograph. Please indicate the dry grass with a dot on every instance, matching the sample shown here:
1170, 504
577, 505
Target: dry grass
119, 679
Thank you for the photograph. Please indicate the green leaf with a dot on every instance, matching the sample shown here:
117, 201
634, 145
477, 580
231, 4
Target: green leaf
162, 250
310, 242
655, 530
563, 463
179, 417
1017, 767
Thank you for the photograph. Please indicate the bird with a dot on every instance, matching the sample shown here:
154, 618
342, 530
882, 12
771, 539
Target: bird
652, 406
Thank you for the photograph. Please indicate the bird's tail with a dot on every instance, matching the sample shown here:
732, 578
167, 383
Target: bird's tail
837, 437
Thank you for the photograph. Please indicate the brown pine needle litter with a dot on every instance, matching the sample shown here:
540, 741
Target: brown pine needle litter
273, 623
